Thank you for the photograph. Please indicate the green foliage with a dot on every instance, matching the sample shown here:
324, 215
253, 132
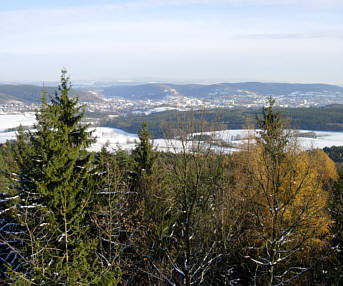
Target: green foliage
143, 153
334, 268
335, 153
273, 136
8, 201
109, 208
56, 190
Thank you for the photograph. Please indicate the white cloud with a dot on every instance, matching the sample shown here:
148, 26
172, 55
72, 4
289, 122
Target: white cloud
138, 40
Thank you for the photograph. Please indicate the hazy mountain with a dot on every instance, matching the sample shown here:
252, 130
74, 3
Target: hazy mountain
10, 93
157, 91
32, 94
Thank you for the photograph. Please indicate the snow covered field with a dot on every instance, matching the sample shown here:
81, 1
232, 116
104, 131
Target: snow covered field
14, 120
324, 139
116, 138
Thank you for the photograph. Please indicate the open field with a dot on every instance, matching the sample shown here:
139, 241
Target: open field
116, 138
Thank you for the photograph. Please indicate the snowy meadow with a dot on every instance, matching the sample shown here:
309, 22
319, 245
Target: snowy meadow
116, 138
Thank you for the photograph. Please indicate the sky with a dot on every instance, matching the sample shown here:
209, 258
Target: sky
172, 40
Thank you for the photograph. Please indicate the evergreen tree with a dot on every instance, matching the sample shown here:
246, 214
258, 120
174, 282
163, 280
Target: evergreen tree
273, 135
138, 222
143, 160
330, 269
8, 200
143, 153
56, 188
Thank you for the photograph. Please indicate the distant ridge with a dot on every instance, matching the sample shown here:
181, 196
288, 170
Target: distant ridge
157, 91
28, 94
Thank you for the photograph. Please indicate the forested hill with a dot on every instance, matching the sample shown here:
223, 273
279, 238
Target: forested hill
158, 91
28, 94
328, 118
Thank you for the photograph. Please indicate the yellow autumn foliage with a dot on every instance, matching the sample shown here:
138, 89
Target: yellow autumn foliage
288, 196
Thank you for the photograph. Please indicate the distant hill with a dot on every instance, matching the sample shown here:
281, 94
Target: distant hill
142, 91
157, 91
28, 94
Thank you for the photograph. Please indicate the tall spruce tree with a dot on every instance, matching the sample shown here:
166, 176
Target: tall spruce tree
143, 153
56, 188
144, 158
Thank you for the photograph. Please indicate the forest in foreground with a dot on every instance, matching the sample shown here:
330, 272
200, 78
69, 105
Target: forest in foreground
268, 215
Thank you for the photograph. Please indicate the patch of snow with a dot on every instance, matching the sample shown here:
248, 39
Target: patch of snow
114, 138
4, 136
159, 109
14, 120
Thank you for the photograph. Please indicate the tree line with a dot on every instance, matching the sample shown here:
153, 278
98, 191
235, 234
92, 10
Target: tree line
268, 215
326, 118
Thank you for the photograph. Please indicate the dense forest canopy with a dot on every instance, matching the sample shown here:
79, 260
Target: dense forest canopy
268, 215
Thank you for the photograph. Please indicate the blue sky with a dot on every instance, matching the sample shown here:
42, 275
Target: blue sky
190, 40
